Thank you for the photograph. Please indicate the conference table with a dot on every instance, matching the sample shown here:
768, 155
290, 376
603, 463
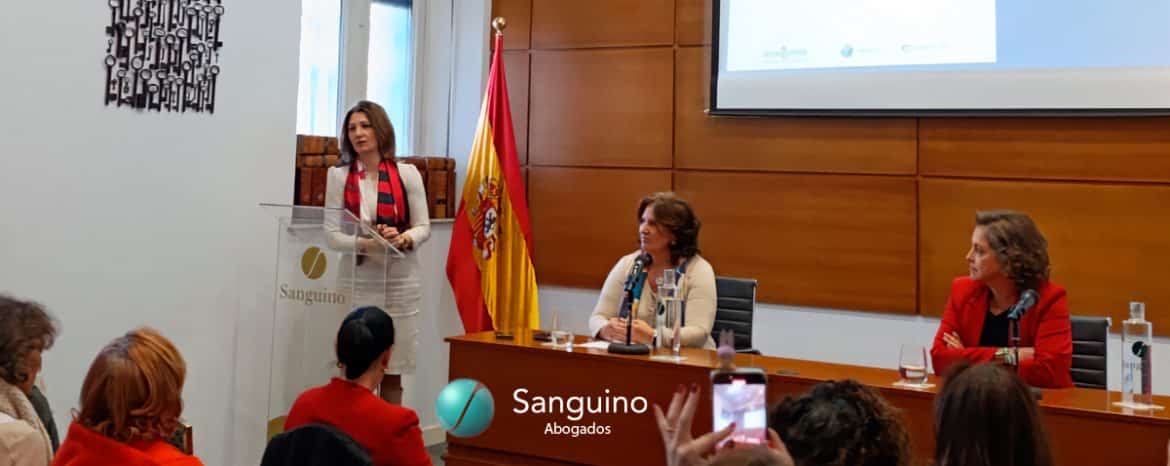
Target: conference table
603, 415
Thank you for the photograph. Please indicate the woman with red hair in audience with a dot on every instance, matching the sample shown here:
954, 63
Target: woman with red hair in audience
130, 406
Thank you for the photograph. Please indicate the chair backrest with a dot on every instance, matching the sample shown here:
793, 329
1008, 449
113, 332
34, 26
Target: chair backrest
735, 304
1090, 337
315, 445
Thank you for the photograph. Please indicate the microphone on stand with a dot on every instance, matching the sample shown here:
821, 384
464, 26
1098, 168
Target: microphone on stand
633, 289
1027, 300
1023, 305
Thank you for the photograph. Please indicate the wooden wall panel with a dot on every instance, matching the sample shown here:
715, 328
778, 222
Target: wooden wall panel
516, 71
601, 108
618, 114
692, 22
1108, 243
829, 145
584, 219
601, 23
518, 13
1110, 149
527, 190
844, 242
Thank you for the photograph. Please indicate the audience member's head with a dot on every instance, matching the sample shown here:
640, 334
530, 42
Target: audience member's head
26, 330
842, 423
986, 416
364, 339
133, 388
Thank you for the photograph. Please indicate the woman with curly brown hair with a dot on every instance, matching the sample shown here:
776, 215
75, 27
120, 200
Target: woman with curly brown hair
25, 331
668, 233
841, 423
130, 405
1008, 256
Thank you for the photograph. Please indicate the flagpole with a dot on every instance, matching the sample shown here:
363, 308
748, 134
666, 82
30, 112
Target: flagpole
499, 24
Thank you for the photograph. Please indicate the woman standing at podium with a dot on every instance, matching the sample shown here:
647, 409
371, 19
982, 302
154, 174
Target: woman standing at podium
389, 196
668, 231
1008, 257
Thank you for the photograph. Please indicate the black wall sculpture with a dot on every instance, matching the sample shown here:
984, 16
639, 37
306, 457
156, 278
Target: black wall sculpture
163, 54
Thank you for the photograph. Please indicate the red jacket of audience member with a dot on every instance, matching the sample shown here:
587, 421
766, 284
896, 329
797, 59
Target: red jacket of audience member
389, 433
84, 447
1045, 328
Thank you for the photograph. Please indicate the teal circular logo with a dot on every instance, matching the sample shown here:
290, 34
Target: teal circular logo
465, 408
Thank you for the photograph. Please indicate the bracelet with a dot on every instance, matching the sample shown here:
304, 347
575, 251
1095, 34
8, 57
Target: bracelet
1005, 356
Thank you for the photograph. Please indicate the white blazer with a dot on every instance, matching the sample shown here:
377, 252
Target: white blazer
416, 196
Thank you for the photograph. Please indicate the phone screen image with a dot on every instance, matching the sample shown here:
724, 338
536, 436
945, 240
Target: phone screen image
742, 399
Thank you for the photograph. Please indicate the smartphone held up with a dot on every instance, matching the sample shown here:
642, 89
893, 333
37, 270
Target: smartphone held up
740, 396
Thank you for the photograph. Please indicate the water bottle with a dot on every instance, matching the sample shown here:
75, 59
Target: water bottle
668, 320
1136, 339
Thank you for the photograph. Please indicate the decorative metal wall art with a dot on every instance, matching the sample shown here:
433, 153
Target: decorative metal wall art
163, 54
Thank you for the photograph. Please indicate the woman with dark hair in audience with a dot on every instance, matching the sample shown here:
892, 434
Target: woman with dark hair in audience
986, 416
841, 423
1008, 256
130, 405
668, 231
389, 432
25, 331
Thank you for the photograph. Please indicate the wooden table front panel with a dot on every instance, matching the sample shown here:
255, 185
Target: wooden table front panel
1083, 425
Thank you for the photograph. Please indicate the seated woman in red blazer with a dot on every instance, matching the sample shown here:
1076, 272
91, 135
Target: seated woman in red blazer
388, 432
1008, 255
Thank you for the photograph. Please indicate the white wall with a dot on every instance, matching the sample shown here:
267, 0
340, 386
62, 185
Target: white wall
858, 338
115, 218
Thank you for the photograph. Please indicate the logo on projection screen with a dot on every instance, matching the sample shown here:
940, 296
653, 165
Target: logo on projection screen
313, 263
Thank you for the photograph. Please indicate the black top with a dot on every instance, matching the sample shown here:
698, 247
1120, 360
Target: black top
41, 406
995, 329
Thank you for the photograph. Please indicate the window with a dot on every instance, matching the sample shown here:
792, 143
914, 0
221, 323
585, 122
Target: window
387, 68
389, 65
320, 59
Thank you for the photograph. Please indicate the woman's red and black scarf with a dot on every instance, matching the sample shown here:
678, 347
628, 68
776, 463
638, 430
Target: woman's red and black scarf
393, 209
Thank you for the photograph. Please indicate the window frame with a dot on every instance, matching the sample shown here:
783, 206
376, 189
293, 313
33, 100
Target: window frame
354, 62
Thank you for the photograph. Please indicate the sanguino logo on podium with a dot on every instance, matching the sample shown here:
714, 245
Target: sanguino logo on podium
313, 263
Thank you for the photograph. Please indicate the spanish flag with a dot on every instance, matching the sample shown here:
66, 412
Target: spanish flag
490, 263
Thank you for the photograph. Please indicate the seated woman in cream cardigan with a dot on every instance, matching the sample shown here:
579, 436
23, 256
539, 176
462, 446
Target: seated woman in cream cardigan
669, 234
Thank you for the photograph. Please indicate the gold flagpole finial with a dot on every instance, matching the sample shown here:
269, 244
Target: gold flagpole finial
499, 24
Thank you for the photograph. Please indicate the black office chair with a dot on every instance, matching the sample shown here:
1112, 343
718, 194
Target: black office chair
315, 445
1090, 337
735, 304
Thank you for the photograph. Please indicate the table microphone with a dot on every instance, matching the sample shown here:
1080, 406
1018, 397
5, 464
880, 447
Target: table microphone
1027, 300
633, 289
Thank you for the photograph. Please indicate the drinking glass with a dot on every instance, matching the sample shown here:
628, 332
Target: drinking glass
912, 364
561, 334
